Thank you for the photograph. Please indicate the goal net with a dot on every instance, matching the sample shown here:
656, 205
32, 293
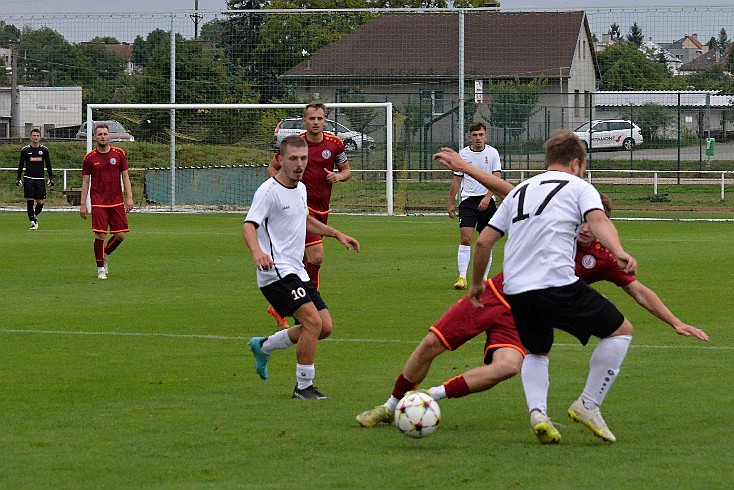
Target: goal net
213, 157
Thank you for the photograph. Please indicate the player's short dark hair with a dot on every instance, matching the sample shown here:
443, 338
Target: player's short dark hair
100, 125
562, 147
477, 126
314, 105
607, 203
35, 130
292, 141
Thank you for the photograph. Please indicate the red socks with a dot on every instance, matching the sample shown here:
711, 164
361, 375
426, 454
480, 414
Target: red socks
402, 386
99, 252
456, 387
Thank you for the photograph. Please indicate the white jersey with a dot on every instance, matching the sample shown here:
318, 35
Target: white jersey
488, 160
541, 217
279, 213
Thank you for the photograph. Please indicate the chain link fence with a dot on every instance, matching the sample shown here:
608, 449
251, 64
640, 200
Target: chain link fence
522, 73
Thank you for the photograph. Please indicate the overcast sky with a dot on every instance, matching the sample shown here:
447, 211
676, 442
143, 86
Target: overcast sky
667, 27
131, 6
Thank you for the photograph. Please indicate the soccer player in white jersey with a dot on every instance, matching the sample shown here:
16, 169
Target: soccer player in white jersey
541, 217
275, 231
477, 203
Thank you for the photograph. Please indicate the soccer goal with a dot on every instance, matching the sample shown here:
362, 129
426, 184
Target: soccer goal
209, 157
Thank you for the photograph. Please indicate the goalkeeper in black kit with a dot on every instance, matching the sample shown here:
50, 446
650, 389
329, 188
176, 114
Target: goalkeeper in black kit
33, 159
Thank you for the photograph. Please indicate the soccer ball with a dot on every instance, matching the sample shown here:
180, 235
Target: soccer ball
417, 415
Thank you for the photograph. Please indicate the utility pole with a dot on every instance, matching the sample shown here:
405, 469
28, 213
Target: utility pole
14, 112
195, 17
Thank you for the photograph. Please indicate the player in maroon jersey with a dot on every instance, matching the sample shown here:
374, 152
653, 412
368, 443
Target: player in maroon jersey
596, 263
104, 167
325, 153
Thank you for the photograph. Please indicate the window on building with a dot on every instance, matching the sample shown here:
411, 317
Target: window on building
436, 100
576, 103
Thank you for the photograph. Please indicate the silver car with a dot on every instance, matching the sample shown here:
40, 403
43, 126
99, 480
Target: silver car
610, 133
353, 140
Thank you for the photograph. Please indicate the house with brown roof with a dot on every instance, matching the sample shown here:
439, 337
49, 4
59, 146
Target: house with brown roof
686, 48
397, 56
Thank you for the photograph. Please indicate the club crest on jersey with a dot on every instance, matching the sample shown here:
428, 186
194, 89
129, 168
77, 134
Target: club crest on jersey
113, 161
589, 261
326, 154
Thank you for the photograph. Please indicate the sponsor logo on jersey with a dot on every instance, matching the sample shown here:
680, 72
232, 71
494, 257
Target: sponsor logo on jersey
589, 261
326, 154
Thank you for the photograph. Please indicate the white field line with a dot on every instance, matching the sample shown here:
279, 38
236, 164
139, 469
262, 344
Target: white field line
356, 341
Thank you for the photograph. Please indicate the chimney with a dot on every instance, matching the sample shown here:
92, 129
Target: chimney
606, 38
694, 36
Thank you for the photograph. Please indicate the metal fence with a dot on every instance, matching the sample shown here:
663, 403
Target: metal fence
523, 73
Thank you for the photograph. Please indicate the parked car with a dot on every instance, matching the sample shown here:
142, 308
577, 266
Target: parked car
117, 131
610, 133
353, 140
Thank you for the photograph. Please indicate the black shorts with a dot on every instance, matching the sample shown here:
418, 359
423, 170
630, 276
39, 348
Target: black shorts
577, 309
471, 217
290, 293
34, 188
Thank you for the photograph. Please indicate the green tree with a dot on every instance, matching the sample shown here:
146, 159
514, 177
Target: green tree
514, 102
143, 48
723, 40
614, 32
624, 67
201, 77
635, 35
651, 118
712, 44
8, 33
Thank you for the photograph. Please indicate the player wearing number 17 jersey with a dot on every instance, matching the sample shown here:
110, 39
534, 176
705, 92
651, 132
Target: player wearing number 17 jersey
541, 218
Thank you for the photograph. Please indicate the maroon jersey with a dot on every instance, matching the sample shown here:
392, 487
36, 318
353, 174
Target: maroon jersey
326, 154
596, 263
105, 170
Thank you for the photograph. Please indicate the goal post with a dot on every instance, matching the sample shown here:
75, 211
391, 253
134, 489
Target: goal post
188, 129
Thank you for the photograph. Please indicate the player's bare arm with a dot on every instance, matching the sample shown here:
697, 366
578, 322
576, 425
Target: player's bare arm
315, 226
648, 299
129, 204
344, 173
274, 166
453, 161
453, 190
607, 234
85, 192
262, 260
483, 248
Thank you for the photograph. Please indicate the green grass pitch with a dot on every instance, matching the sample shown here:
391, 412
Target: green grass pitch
144, 380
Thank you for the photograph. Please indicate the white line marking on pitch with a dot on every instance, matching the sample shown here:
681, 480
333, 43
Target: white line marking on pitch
365, 341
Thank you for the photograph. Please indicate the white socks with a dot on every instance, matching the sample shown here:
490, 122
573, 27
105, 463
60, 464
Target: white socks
438, 392
463, 258
535, 382
278, 340
603, 368
305, 373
